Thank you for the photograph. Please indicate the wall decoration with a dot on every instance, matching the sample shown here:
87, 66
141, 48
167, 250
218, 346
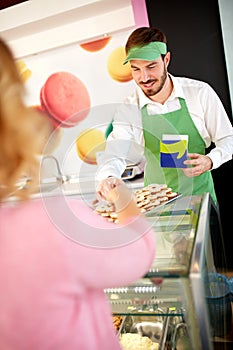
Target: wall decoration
78, 87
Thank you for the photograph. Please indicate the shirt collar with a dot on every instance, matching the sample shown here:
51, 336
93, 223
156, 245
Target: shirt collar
177, 92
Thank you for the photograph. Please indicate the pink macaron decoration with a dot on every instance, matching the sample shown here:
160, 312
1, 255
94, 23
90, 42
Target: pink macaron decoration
65, 99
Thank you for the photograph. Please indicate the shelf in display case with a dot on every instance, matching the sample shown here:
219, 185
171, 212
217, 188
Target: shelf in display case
146, 298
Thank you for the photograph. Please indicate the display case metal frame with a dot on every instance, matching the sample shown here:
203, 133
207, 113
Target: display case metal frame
186, 279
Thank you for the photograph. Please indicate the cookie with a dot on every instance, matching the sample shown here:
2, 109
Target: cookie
143, 203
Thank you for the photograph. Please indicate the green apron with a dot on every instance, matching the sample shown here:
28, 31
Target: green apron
178, 122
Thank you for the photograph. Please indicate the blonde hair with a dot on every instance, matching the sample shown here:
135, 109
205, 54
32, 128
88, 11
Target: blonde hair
23, 131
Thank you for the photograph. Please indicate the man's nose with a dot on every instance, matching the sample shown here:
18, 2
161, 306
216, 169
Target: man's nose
144, 75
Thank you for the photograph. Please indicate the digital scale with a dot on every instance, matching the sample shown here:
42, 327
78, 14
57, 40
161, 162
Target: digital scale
132, 170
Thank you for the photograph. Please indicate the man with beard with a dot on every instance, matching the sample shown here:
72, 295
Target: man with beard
164, 104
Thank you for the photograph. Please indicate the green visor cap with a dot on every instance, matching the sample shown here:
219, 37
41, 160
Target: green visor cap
149, 52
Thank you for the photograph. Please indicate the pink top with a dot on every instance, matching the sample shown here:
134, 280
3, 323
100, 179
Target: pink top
56, 257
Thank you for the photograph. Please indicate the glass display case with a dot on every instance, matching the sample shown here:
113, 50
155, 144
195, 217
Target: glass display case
182, 302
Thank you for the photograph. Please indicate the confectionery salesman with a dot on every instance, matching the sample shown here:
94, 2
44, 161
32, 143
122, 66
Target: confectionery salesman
56, 254
165, 104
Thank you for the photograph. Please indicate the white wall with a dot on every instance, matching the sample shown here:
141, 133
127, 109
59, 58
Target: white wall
36, 26
226, 14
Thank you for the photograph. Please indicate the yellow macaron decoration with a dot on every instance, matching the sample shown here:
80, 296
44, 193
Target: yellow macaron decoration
24, 71
89, 143
116, 69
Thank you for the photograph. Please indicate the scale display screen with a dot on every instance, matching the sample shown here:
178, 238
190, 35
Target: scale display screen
127, 173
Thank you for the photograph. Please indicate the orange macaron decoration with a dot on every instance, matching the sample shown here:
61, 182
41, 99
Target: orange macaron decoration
89, 143
96, 45
65, 99
116, 69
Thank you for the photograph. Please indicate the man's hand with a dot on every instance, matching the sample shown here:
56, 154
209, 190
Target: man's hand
197, 164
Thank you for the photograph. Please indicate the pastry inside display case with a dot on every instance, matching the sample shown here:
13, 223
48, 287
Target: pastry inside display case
131, 341
142, 332
165, 331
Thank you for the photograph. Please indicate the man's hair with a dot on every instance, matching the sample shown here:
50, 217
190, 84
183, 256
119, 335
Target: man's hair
143, 36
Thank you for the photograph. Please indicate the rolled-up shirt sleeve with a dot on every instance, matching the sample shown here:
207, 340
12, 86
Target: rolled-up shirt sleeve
124, 144
219, 128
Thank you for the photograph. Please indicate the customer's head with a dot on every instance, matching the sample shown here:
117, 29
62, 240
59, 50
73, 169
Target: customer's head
23, 130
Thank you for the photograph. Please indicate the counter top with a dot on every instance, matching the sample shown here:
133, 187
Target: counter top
77, 186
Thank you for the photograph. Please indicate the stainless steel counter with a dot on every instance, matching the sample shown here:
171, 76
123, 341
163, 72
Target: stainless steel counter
77, 186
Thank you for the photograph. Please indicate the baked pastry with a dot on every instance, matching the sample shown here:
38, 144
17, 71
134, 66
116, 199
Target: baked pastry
134, 341
117, 321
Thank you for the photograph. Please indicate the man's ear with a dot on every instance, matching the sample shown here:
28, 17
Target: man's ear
167, 58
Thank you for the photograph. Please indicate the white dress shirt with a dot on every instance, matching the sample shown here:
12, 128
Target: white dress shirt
126, 142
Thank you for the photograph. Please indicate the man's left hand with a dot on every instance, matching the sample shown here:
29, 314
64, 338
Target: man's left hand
197, 164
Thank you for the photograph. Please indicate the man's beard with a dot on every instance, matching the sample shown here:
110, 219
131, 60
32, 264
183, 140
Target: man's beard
156, 90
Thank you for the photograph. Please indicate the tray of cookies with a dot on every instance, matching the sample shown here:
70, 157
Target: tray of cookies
153, 196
